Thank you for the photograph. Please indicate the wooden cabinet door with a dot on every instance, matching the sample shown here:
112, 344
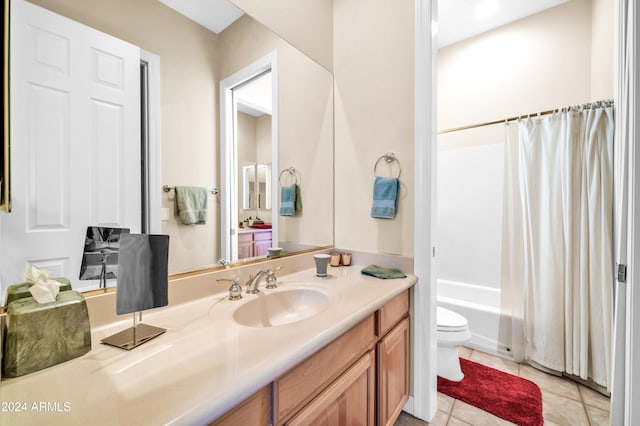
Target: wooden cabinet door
260, 248
304, 382
255, 410
245, 245
350, 400
393, 373
245, 250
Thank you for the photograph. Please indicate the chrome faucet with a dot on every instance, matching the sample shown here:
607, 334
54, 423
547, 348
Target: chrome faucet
267, 274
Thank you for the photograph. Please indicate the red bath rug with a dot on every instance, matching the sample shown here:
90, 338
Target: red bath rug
502, 394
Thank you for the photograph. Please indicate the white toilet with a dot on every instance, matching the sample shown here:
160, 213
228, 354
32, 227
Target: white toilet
452, 331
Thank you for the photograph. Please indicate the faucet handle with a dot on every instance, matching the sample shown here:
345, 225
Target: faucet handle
235, 291
272, 280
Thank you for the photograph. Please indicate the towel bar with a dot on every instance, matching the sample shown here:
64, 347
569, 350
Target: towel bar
167, 188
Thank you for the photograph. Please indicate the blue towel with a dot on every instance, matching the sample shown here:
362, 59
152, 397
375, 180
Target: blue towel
192, 204
290, 201
385, 197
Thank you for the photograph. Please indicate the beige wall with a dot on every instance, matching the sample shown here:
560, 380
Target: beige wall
535, 64
311, 31
263, 139
373, 68
246, 125
305, 124
189, 112
562, 56
603, 49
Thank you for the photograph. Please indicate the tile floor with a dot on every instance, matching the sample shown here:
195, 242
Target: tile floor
564, 402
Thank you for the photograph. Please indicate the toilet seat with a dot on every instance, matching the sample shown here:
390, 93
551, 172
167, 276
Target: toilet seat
449, 321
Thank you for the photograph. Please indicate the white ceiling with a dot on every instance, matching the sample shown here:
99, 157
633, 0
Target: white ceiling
216, 15
457, 20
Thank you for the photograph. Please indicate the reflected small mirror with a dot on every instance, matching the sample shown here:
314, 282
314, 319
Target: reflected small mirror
247, 189
263, 185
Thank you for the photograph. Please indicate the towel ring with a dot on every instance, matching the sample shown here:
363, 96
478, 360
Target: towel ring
292, 171
389, 158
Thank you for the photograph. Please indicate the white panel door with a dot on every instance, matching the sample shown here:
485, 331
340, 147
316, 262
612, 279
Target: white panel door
75, 142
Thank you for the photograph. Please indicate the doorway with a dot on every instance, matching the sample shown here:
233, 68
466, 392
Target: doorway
626, 76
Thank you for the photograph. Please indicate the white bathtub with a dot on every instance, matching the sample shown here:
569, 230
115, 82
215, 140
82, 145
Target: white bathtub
481, 306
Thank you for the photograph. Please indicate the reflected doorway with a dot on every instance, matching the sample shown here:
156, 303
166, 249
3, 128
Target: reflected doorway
249, 157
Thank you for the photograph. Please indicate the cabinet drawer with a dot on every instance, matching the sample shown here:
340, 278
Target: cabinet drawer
245, 237
392, 312
262, 236
308, 379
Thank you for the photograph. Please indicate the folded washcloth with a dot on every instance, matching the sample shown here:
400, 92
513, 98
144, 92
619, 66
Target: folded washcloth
383, 273
385, 197
290, 201
192, 204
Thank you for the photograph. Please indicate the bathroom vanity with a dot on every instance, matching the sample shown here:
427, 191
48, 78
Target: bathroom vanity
253, 242
342, 381
341, 349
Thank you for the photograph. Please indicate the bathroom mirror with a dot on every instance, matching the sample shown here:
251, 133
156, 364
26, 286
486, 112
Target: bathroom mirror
255, 187
248, 189
192, 63
264, 187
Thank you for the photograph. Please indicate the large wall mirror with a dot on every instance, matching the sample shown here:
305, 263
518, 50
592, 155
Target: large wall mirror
193, 61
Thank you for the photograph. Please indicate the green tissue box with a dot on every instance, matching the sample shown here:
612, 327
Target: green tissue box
20, 291
40, 335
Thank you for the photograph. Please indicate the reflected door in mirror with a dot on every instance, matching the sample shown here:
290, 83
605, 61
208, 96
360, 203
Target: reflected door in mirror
75, 141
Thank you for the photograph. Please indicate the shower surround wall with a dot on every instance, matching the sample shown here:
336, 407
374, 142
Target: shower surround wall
562, 56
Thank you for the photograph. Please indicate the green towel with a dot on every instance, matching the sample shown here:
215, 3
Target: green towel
192, 204
382, 273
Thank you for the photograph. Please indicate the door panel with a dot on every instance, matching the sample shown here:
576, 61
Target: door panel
75, 123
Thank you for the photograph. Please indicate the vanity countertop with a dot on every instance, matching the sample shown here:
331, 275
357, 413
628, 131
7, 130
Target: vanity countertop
252, 230
204, 365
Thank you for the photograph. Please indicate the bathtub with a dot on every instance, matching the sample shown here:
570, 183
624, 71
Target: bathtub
481, 306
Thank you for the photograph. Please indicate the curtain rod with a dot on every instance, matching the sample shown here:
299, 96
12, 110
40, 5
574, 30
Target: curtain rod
605, 102
491, 123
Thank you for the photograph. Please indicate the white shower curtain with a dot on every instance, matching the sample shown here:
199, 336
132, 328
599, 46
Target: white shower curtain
557, 252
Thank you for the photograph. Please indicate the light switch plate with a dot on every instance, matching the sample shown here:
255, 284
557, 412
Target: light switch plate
165, 213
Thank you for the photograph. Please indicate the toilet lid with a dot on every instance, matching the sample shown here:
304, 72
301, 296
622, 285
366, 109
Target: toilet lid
450, 321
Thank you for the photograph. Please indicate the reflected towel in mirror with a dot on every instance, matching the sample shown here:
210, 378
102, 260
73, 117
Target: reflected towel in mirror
192, 204
290, 201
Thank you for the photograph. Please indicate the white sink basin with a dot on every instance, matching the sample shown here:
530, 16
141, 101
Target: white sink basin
282, 307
